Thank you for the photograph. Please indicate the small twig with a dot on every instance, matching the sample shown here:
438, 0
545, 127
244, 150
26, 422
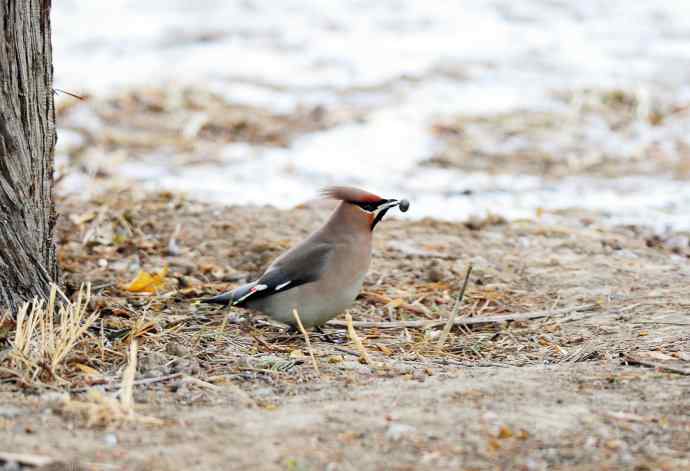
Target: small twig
454, 311
306, 339
464, 321
639, 361
355, 339
346, 350
60, 90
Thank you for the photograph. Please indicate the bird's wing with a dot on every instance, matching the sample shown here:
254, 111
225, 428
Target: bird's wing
299, 266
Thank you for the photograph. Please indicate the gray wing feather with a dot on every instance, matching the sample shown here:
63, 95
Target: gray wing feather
300, 265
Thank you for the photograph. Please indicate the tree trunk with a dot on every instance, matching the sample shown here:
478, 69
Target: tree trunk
28, 262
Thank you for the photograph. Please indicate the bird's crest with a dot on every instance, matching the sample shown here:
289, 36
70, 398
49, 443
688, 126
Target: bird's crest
350, 194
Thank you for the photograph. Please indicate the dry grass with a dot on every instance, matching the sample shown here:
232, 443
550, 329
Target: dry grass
47, 333
295, 313
352, 333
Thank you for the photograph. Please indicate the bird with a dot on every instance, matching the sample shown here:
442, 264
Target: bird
321, 276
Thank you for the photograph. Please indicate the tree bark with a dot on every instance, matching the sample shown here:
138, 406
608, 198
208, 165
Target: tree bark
28, 262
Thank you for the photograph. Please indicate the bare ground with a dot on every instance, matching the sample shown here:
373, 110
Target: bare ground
602, 386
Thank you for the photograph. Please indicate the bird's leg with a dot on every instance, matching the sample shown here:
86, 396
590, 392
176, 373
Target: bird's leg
290, 333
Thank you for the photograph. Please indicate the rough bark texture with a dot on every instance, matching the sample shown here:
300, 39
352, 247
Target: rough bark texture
27, 138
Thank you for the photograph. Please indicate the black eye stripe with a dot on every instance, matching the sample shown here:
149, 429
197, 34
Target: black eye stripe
368, 206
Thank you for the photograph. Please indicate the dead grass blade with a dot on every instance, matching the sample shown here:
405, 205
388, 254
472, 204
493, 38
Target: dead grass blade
356, 340
451, 318
306, 339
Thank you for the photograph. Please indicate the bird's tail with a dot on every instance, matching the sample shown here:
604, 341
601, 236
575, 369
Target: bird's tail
224, 299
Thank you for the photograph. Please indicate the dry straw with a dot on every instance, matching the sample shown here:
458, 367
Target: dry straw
306, 339
356, 340
45, 334
454, 312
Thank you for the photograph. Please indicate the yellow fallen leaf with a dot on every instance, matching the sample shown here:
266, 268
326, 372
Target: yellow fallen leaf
505, 432
146, 282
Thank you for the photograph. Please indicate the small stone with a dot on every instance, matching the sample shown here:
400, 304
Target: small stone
185, 281
435, 275
403, 368
397, 431
152, 361
263, 392
177, 349
110, 439
678, 242
185, 365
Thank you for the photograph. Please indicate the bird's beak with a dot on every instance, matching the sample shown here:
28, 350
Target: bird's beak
383, 209
402, 204
390, 204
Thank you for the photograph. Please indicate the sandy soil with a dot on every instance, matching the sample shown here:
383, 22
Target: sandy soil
605, 385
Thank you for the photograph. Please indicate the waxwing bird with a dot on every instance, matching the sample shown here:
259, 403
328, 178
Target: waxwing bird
321, 276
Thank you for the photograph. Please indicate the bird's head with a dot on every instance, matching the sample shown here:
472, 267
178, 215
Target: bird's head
367, 206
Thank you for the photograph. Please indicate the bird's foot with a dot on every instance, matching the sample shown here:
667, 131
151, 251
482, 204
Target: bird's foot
288, 334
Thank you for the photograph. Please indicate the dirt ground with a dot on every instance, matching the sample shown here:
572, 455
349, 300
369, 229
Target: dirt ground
601, 380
